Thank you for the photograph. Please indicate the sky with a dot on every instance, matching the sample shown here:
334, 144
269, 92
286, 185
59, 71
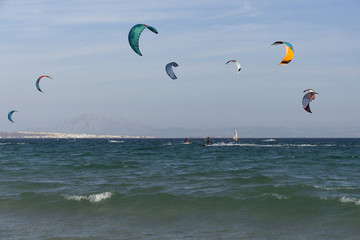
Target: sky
83, 45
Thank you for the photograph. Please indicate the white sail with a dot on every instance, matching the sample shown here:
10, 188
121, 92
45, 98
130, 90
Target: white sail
235, 135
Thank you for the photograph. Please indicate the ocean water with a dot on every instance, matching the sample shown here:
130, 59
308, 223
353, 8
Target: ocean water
164, 189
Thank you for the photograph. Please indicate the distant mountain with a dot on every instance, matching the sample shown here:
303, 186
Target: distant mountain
100, 125
96, 124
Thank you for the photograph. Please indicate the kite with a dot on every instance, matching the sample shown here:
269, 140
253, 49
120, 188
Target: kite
238, 66
38, 81
10, 115
134, 36
170, 71
308, 97
289, 52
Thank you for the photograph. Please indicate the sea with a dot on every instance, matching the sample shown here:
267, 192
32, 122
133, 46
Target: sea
60, 189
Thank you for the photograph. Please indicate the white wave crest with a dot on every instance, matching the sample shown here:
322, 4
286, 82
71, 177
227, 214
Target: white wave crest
9, 143
325, 188
116, 141
275, 195
269, 140
91, 198
278, 196
233, 144
334, 188
350, 200
222, 144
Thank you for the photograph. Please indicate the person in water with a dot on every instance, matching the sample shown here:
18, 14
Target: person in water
208, 142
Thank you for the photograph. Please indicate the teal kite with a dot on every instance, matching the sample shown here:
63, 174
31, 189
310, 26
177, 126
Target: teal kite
10, 115
134, 36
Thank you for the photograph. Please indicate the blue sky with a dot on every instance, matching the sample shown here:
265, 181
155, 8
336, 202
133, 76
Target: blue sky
83, 45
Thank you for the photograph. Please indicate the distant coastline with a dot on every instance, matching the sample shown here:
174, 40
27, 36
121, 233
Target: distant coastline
8, 135
54, 135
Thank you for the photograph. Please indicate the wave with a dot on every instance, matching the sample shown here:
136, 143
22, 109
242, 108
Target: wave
161, 204
91, 198
10, 143
223, 144
303, 201
314, 199
116, 141
277, 196
354, 200
334, 188
269, 140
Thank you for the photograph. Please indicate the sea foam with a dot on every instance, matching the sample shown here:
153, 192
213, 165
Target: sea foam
334, 188
91, 198
222, 144
350, 200
275, 195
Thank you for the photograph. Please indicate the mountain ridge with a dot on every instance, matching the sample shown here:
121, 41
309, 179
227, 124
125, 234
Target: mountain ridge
100, 125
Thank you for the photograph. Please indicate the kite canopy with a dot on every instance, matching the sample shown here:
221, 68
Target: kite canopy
170, 71
235, 135
289, 54
10, 115
38, 81
238, 66
134, 36
308, 97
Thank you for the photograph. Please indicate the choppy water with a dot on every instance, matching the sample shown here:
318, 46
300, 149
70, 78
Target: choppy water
164, 189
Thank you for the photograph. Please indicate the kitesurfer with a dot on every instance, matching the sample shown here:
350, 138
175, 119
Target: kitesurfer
208, 141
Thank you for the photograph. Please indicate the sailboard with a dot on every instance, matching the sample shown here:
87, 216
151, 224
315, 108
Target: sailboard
235, 135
